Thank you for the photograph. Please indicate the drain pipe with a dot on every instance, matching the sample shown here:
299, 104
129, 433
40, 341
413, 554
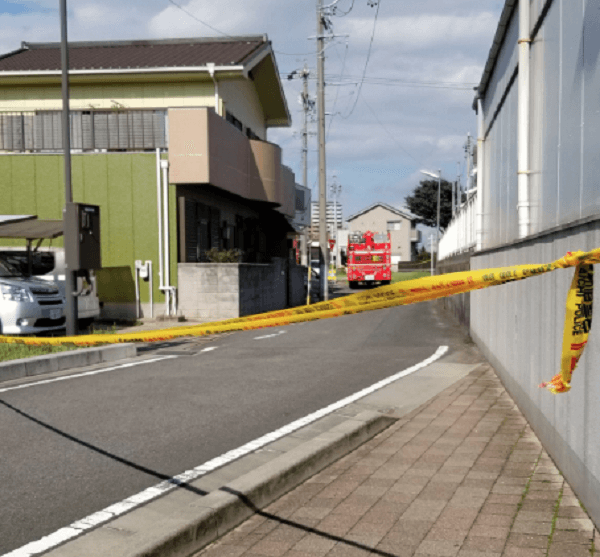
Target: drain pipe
211, 71
480, 172
523, 206
170, 292
160, 231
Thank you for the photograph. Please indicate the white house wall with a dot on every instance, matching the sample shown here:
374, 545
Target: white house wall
239, 96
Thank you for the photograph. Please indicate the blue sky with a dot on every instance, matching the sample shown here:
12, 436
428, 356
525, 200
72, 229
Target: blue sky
19, 7
412, 111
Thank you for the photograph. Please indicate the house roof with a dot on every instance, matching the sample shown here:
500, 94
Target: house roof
400, 212
180, 53
248, 56
501, 30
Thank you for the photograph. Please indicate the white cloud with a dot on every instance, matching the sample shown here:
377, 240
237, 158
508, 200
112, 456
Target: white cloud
415, 41
410, 33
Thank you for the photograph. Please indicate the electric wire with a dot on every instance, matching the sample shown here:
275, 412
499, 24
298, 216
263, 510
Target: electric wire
336, 96
200, 21
366, 63
388, 132
227, 34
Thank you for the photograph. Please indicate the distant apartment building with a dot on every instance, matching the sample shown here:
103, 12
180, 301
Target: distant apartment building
334, 218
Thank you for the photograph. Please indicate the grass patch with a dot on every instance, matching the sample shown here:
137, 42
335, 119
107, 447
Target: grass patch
16, 351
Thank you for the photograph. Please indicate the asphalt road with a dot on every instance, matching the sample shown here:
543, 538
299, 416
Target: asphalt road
74, 447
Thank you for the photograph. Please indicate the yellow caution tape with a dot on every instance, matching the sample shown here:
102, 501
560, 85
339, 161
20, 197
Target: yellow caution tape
577, 323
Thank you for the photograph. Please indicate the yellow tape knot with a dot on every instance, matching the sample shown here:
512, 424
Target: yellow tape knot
569, 260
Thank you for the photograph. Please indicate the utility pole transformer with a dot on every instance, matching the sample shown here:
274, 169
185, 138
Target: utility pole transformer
323, 244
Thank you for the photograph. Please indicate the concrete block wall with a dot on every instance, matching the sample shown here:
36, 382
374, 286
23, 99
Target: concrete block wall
519, 328
460, 304
262, 287
297, 278
213, 291
208, 291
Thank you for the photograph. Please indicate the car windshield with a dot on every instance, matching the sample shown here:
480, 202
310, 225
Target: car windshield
8, 270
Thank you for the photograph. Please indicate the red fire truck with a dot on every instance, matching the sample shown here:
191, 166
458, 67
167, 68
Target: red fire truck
369, 258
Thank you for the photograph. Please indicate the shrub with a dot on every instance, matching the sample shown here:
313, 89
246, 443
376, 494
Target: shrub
215, 255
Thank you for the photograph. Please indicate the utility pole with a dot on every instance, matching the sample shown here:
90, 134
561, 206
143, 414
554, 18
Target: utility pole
305, 241
323, 244
468, 155
70, 276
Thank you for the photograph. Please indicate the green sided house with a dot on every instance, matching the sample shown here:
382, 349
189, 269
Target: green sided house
169, 138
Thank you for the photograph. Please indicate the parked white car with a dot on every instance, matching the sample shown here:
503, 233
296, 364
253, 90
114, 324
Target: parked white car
28, 305
49, 265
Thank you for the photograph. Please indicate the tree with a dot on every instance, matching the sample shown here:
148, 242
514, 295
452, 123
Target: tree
423, 203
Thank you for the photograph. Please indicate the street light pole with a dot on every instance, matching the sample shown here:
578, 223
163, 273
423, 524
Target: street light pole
70, 277
438, 176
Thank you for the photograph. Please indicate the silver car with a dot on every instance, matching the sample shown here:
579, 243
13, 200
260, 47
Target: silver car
28, 305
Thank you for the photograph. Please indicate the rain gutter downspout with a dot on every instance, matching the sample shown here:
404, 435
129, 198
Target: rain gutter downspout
480, 172
211, 70
171, 303
160, 232
523, 205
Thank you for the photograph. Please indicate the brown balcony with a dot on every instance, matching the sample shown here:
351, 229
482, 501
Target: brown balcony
206, 149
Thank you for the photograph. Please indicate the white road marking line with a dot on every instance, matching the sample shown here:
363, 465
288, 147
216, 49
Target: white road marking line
271, 336
84, 374
209, 348
109, 513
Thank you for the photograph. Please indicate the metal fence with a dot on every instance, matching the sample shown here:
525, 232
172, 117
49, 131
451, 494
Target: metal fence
460, 235
94, 130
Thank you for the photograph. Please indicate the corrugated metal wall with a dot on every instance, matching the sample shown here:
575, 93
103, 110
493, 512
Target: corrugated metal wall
519, 328
519, 325
565, 119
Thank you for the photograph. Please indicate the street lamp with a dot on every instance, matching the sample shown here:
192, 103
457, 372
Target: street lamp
438, 177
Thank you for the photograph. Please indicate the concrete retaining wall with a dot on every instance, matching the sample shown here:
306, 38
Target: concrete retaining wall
212, 291
460, 304
519, 328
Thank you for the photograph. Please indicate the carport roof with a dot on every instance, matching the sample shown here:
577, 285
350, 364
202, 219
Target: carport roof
33, 229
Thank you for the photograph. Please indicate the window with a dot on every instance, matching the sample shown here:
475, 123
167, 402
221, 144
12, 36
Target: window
233, 120
250, 134
394, 225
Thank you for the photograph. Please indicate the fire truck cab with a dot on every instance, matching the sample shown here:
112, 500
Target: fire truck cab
369, 258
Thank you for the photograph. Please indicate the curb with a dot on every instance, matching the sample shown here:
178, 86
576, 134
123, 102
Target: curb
61, 361
186, 520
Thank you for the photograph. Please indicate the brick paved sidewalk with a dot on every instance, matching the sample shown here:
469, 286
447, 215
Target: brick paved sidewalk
464, 475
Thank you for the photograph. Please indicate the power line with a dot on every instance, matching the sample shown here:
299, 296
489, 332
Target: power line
336, 93
200, 21
343, 13
227, 34
367, 61
388, 132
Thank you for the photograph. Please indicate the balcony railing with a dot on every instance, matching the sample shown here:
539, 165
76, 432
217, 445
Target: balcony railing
460, 235
93, 130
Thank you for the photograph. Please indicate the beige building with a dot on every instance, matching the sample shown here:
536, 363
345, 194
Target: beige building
400, 223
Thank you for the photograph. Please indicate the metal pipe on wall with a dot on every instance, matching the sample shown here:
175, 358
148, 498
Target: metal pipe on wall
159, 213
480, 172
165, 205
523, 204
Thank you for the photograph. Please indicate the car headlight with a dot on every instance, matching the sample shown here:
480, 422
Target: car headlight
15, 293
